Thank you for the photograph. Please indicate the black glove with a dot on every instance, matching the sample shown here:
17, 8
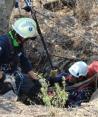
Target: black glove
16, 5
27, 8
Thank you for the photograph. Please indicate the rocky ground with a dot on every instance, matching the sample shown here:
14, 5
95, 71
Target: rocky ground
10, 108
65, 37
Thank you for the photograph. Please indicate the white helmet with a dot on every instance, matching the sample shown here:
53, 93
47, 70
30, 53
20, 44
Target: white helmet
25, 27
79, 69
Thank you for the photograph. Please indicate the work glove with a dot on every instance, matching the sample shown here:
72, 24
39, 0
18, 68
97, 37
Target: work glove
53, 73
56, 78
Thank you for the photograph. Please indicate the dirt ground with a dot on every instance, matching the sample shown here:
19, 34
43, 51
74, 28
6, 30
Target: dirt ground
65, 37
10, 108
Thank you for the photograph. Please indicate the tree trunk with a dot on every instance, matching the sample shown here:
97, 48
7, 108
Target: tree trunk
6, 7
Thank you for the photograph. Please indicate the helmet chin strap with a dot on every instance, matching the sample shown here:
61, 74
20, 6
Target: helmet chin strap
13, 40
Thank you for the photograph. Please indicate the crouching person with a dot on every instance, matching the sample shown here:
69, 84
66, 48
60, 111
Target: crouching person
12, 49
24, 87
27, 88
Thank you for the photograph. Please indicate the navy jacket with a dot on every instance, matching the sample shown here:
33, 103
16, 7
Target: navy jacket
10, 55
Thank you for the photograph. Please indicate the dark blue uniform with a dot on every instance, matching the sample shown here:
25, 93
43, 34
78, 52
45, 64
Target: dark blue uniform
10, 55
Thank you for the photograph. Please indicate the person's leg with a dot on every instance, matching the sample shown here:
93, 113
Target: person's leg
27, 86
29, 89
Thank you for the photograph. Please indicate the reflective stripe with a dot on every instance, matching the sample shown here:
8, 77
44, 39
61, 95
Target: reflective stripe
19, 54
0, 48
28, 2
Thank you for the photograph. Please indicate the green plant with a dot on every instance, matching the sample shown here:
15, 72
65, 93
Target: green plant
57, 98
61, 95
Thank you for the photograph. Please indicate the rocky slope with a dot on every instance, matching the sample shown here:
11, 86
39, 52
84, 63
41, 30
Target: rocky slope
65, 37
9, 107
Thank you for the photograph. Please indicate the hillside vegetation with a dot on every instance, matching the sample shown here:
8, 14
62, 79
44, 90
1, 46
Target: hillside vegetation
70, 33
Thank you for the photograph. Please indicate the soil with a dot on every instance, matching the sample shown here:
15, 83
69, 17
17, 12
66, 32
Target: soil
65, 38
9, 107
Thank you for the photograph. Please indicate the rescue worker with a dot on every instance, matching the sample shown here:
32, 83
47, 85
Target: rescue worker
77, 73
80, 68
12, 52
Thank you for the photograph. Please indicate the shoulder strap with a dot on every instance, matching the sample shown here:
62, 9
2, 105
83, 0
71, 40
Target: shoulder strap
13, 40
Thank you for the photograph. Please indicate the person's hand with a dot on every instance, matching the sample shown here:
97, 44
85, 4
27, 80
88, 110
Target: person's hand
32, 75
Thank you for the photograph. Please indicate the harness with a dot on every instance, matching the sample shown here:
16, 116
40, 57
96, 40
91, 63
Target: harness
13, 40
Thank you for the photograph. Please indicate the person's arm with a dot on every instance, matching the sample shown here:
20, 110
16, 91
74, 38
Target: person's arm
32, 75
27, 66
57, 78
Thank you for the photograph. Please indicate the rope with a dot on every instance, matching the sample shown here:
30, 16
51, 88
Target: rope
29, 3
47, 17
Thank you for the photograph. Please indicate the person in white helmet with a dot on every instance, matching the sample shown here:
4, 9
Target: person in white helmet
79, 72
75, 73
11, 48
81, 69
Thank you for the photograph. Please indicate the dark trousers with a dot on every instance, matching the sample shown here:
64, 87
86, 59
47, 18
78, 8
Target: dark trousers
27, 86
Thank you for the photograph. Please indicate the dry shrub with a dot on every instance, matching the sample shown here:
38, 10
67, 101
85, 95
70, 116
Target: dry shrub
83, 9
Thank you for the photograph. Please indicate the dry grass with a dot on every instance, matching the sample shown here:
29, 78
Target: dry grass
91, 109
83, 9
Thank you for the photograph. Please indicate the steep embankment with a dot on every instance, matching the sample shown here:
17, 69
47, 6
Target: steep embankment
10, 108
65, 37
